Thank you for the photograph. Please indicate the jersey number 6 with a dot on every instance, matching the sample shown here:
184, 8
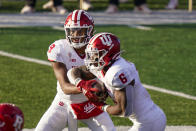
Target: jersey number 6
123, 78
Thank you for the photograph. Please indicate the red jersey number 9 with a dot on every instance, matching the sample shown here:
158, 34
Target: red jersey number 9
123, 78
51, 47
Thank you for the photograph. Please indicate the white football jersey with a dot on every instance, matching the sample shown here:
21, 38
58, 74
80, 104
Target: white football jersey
123, 74
61, 51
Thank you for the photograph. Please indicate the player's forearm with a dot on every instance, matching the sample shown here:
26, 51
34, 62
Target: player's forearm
119, 107
70, 89
114, 110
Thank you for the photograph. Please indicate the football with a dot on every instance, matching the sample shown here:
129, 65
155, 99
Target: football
100, 91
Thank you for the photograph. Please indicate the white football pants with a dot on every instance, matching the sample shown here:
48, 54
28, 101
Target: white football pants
101, 122
57, 117
152, 124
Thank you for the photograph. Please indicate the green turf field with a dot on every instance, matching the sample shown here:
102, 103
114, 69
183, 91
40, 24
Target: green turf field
165, 57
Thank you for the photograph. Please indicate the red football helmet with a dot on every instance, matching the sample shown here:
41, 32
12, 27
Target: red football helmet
79, 26
103, 48
11, 118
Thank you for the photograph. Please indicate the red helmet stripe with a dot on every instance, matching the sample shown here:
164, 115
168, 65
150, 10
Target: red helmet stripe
76, 16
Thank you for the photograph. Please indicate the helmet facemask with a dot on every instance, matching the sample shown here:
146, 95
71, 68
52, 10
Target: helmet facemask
78, 36
95, 59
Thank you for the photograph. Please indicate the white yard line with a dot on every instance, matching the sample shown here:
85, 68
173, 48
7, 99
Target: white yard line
3, 53
175, 93
140, 27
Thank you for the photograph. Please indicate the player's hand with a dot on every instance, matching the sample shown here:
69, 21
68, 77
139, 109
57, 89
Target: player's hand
87, 89
101, 105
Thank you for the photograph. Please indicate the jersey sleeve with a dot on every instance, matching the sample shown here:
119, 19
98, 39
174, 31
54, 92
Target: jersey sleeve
121, 79
53, 52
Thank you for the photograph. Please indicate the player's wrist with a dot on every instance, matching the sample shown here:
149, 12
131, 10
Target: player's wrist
104, 108
79, 83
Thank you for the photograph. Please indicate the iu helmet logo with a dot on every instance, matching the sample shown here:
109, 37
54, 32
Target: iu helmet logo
106, 40
11, 118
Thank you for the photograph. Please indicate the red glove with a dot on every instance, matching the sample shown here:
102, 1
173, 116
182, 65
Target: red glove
87, 90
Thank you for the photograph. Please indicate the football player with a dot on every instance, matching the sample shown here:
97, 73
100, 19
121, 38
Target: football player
122, 82
70, 103
11, 117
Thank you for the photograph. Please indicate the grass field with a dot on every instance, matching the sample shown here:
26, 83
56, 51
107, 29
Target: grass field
165, 57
